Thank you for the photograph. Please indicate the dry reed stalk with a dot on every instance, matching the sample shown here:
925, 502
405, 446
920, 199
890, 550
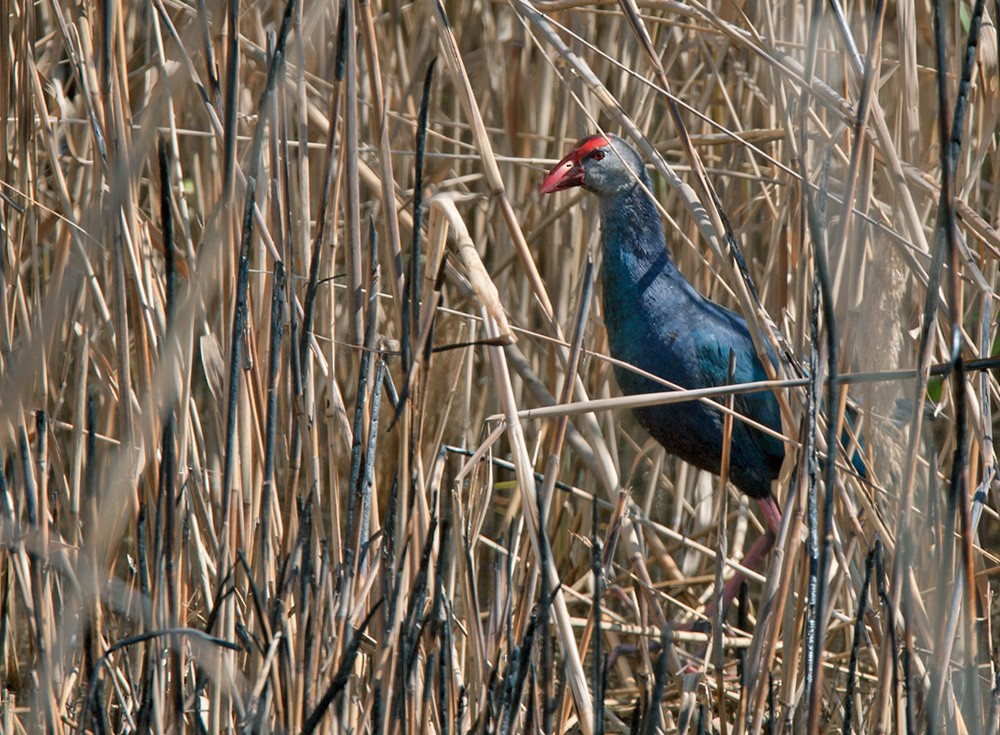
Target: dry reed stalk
179, 560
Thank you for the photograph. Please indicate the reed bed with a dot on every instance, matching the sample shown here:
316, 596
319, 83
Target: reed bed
307, 422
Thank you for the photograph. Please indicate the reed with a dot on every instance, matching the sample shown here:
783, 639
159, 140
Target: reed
307, 422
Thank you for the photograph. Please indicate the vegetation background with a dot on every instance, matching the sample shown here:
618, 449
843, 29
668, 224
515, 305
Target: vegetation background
279, 294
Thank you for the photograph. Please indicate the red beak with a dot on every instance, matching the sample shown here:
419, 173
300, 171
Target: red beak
565, 175
569, 171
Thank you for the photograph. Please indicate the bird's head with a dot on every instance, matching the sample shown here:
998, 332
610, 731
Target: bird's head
603, 164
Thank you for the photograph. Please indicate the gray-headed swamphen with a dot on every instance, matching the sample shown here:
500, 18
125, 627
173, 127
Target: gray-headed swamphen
657, 322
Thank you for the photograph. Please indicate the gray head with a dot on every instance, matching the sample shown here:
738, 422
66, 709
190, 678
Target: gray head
603, 164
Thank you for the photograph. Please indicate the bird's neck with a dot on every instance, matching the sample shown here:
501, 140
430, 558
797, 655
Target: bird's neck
636, 266
643, 290
630, 225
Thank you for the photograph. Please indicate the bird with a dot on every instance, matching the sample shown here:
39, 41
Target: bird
658, 322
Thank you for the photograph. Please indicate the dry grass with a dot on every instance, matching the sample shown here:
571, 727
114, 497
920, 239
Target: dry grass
268, 467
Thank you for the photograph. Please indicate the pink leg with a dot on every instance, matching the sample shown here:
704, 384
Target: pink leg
755, 557
753, 560
769, 507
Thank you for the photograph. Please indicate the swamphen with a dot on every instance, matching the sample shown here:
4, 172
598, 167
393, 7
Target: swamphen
659, 323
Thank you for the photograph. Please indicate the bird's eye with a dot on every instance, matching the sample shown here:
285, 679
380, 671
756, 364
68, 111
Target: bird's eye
597, 155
